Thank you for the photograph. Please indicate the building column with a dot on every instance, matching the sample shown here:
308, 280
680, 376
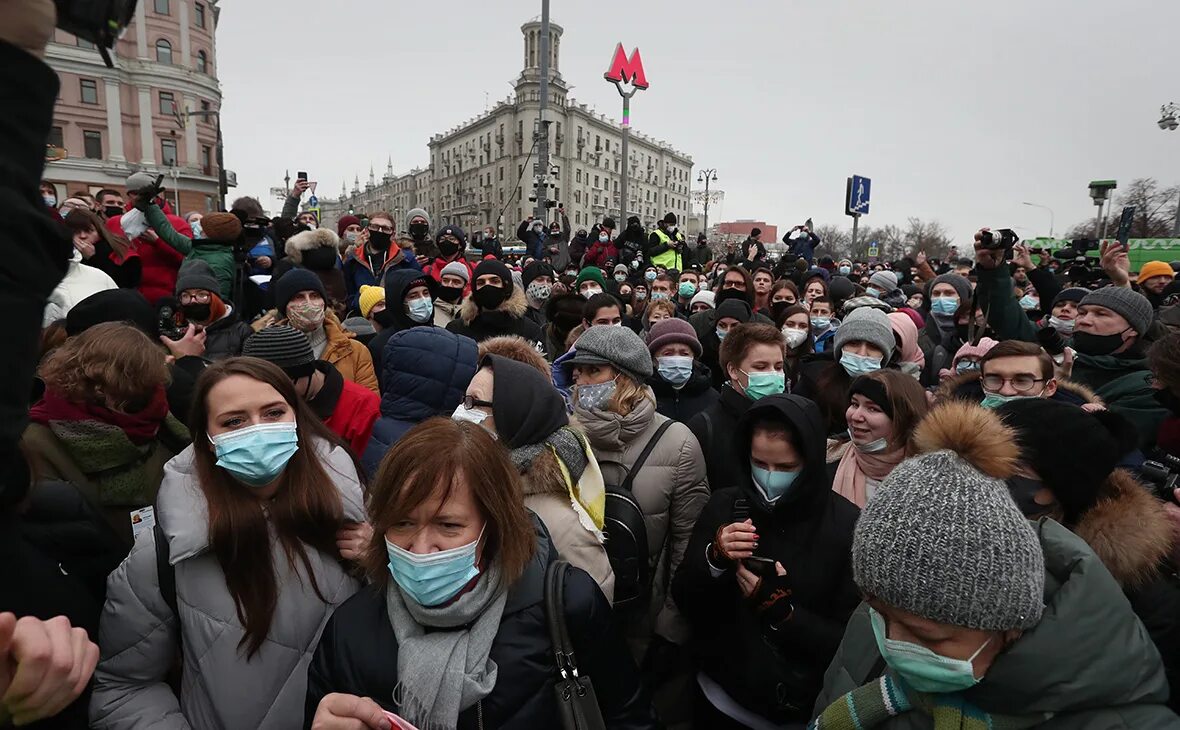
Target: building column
141, 49
147, 138
185, 37
114, 121
190, 134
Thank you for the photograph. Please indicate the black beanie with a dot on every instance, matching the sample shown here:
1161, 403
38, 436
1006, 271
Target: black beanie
113, 305
494, 266
526, 406
1072, 450
293, 282
736, 308
535, 269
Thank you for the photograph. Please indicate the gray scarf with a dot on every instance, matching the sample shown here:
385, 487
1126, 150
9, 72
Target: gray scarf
568, 445
443, 672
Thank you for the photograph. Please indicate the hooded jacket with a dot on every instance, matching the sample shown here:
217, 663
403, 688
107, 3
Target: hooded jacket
681, 404
139, 635
332, 276
79, 282
225, 337
506, 319
775, 673
1089, 661
396, 285
425, 373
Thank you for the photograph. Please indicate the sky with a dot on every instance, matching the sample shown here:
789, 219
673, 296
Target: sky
957, 111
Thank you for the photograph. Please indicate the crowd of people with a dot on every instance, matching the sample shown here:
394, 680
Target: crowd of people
274, 473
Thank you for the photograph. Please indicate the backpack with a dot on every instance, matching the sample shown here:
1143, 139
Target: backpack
626, 534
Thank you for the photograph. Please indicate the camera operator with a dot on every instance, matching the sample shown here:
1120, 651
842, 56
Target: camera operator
1005, 316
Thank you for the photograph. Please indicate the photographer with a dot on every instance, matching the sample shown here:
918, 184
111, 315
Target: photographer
665, 245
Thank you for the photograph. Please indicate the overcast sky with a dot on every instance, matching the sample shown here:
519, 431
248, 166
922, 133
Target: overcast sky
957, 111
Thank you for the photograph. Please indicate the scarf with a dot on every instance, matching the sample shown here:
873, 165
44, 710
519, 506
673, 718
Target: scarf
857, 466
318, 339
583, 478
446, 670
887, 697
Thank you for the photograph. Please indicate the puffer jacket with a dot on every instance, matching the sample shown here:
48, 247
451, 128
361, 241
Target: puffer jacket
331, 276
219, 688
670, 488
79, 282
348, 354
225, 337
426, 371
507, 319
160, 262
358, 655
1089, 661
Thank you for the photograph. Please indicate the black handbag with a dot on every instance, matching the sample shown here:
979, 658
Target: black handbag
576, 702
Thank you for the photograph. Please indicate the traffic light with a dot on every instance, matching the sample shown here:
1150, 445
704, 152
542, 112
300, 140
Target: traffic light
351, 211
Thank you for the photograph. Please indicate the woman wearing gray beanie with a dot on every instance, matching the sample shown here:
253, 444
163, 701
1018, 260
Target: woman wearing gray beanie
975, 617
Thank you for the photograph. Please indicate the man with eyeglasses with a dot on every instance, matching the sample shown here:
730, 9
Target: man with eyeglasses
373, 257
1013, 370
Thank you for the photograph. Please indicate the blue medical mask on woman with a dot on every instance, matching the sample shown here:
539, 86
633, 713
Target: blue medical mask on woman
421, 309
433, 578
687, 289
773, 484
944, 305
845, 270
256, 455
920, 667
859, 364
674, 369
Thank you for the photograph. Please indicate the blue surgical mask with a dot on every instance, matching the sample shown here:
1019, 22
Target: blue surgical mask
944, 305
874, 293
762, 384
433, 578
721, 333
198, 231
1028, 301
872, 447
420, 310
845, 270
859, 364
660, 296
821, 324
649, 275
773, 484
594, 397
687, 289
675, 369
256, 455
921, 668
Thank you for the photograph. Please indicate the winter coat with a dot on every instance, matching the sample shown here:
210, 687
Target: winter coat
425, 373
159, 261
358, 655
993, 290
331, 277
79, 282
546, 494
1123, 382
446, 312
358, 270
822, 375
347, 353
577, 251
507, 319
397, 283
939, 352
534, 242
126, 272
438, 264
219, 687
225, 337
776, 673
218, 254
714, 428
1089, 661
599, 253
670, 488
681, 404
347, 408
490, 247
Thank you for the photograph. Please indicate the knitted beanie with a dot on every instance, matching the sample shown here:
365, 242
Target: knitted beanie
673, 331
221, 227
943, 539
1155, 268
497, 267
284, 346
457, 268
451, 230
414, 213
344, 222
840, 288
960, 283
1073, 294
590, 273
735, 309
1128, 303
196, 274
620, 269
885, 281
293, 282
360, 327
866, 324
536, 269
113, 305
702, 297
616, 346
368, 298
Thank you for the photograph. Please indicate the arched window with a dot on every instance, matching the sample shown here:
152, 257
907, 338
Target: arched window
202, 62
164, 51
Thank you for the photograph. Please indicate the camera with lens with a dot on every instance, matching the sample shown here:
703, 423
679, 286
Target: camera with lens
99, 21
167, 323
1002, 238
1163, 474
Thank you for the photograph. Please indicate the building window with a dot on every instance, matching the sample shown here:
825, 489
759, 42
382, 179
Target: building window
200, 8
202, 62
167, 103
206, 160
578, 175
162, 7
56, 137
595, 181
205, 107
89, 91
92, 144
164, 51
501, 173
168, 152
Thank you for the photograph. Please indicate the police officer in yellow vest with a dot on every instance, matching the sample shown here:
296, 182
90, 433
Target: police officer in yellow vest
665, 245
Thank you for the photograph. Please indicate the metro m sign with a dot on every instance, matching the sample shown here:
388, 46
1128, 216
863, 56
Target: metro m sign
625, 71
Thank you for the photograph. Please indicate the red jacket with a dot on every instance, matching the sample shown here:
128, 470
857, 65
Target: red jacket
356, 412
598, 254
160, 262
437, 265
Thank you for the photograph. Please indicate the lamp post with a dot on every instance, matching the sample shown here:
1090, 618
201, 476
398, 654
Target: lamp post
1038, 205
222, 186
1168, 120
707, 176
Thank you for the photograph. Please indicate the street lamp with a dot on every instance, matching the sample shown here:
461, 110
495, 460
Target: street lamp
707, 176
1038, 205
1168, 121
222, 183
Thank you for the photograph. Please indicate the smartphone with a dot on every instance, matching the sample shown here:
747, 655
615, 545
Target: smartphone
301, 175
761, 567
741, 510
1125, 222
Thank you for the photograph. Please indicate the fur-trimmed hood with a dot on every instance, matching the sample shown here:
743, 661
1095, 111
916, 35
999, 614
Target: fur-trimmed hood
966, 386
515, 306
515, 348
307, 240
975, 433
1127, 529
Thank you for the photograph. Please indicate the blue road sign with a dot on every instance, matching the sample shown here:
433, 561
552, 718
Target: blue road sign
858, 195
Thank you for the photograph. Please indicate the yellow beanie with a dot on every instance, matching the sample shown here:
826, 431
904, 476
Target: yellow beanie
370, 295
1155, 268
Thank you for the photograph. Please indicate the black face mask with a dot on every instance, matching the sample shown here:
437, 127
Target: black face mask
450, 294
197, 312
489, 297
1167, 399
319, 259
419, 230
447, 248
725, 294
113, 211
1023, 490
1088, 343
777, 308
379, 240
387, 318
253, 234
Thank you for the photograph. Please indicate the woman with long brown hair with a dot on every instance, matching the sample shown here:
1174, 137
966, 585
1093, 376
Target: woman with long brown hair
104, 249
259, 515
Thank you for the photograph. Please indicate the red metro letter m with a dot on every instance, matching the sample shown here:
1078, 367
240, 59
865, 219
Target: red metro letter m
625, 70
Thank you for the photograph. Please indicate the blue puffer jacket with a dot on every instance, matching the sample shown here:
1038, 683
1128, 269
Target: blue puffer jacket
424, 373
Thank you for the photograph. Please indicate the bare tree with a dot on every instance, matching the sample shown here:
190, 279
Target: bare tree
1155, 207
928, 236
837, 241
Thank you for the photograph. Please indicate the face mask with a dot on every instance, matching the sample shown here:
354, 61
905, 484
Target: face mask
572, 273
672, 230
944, 305
675, 369
821, 324
450, 294
874, 293
433, 578
306, 317
540, 292
320, 259
49, 200
554, 233
773, 484
921, 668
687, 289
256, 455
1063, 326
872, 447
721, 333
794, 337
420, 310
1088, 343
419, 230
310, 224
379, 240
760, 385
471, 415
197, 312
845, 270
603, 238
660, 296
350, 236
1023, 491
966, 366
995, 400
448, 248
859, 364
489, 297
640, 296
594, 397
1029, 302
649, 275
591, 291
112, 211
198, 231
620, 277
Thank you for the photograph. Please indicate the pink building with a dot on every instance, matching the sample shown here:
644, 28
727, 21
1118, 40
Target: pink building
738, 231
112, 122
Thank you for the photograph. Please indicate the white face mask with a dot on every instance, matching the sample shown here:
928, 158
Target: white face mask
794, 337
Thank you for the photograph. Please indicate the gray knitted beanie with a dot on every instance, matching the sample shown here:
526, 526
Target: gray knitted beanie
943, 539
1128, 303
870, 325
884, 281
960, 283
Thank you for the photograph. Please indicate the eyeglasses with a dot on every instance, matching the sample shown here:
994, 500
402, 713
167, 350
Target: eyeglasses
470, 402
382, 229
199, 298
1019, 383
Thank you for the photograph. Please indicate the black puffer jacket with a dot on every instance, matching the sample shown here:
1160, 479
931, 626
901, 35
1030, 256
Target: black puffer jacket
681, 405
507, 319
357, 655
225, 337
714, 429
775, 673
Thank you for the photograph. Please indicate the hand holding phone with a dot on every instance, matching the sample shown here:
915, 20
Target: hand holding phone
737, 540
761, 567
